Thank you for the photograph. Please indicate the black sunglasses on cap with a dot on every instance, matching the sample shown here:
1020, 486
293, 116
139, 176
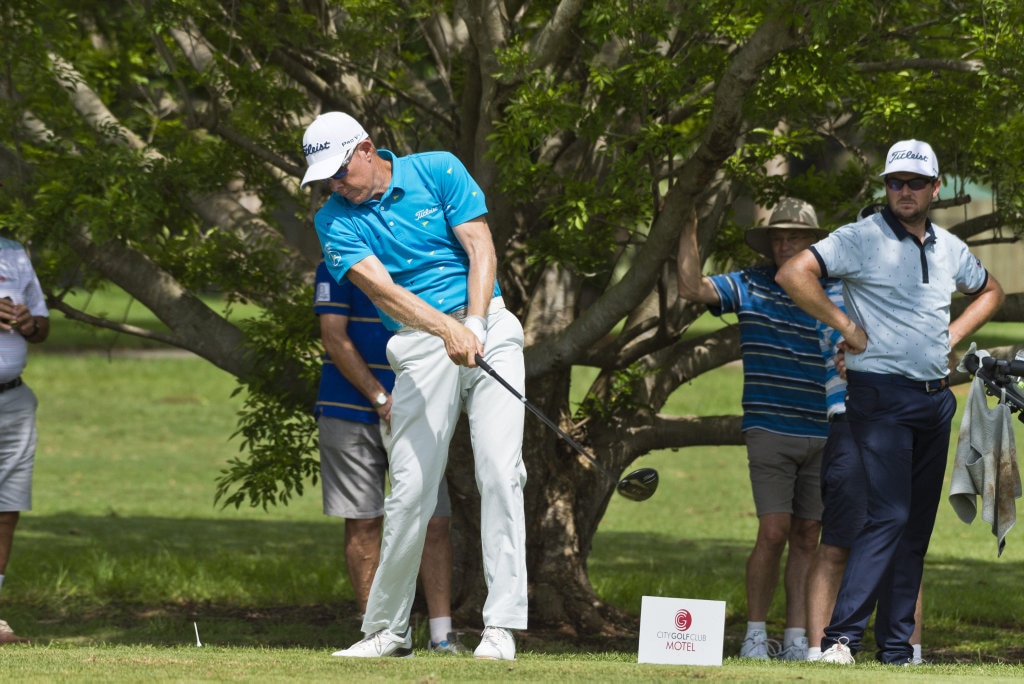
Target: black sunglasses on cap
914, 183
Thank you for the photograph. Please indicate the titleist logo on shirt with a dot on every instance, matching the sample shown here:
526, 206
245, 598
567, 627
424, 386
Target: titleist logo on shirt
426, 212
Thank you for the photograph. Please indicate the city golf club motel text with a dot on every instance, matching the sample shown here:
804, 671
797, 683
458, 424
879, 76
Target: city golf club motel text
681, 639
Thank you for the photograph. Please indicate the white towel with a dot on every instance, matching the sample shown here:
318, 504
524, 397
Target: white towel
986, 465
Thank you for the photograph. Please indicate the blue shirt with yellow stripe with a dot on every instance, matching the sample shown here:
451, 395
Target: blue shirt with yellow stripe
337, 397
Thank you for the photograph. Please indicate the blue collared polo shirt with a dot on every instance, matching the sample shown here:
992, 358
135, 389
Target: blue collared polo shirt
337, 397
409, 229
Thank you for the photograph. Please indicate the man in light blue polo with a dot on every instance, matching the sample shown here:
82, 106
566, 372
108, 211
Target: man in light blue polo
899, 272
411, 233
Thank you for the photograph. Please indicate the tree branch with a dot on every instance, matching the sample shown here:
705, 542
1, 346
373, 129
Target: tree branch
970, 66
677, 432
773, 36
556, 38
196, 327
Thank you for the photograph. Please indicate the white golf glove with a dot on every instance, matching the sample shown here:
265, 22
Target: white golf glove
478, 324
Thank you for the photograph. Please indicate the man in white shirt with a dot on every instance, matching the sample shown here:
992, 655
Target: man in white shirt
24, 319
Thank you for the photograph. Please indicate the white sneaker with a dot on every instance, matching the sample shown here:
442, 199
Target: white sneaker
380, 644
795, 651
757, 645
838, 652
496, 643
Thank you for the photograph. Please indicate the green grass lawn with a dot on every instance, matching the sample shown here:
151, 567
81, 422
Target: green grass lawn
125, 555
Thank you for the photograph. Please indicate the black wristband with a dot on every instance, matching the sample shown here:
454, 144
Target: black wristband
35, 329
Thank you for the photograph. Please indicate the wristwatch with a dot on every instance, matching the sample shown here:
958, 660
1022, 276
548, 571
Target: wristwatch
381, 399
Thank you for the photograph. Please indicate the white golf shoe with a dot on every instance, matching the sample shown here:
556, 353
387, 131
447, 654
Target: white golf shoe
838, 652
496, 643
381, 644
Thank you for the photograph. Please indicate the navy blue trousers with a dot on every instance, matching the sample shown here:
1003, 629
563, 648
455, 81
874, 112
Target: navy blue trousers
902, 431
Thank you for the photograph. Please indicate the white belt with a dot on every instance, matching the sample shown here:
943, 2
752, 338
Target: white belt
496, 305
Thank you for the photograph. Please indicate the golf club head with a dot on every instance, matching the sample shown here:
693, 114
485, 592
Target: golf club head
639, 485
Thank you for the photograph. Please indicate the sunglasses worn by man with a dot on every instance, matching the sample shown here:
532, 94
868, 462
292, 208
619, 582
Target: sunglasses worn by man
896, 184
343, 171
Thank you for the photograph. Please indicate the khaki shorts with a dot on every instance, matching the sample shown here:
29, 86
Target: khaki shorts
354, 468
785, 473
17, 448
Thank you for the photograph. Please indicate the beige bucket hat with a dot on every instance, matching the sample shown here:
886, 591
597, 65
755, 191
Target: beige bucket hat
789, 213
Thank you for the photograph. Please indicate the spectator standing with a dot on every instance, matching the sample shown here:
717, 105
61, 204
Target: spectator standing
24, 319
784, 419
843, 495
899, 272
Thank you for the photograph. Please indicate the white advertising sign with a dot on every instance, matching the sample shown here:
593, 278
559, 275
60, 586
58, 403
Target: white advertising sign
678, 631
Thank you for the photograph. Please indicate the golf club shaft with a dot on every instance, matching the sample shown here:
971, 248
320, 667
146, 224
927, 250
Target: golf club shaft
537, 412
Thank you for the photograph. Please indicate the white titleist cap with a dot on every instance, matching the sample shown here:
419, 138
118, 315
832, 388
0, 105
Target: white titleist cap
912, 156
328, 143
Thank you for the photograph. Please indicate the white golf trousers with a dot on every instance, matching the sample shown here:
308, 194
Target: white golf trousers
430, 393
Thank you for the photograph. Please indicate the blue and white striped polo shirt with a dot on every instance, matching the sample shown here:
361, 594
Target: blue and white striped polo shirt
835, 386
19, 282
783, 370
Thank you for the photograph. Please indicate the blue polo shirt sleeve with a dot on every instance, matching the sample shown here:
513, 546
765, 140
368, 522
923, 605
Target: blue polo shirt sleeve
839, 254
730, 293
971, 275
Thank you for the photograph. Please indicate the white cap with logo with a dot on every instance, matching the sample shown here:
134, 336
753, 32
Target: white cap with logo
328, 143
912, 156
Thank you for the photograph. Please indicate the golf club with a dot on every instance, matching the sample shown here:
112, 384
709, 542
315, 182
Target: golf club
639, 485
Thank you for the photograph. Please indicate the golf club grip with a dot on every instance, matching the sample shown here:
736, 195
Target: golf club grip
537, 412
971, 363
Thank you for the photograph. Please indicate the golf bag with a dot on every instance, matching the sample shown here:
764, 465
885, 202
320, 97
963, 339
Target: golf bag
1004, 379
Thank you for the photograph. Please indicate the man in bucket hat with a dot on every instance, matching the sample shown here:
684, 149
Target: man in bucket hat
784, 419
899, 272
789, 215
411, 232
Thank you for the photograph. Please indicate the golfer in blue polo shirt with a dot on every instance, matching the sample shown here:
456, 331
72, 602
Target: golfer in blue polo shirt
411, 232
899, 272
